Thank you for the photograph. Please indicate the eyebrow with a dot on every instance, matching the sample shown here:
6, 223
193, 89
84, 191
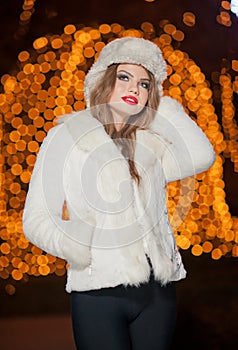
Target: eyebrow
131, 75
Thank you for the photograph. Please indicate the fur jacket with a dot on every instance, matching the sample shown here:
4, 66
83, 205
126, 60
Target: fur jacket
114, 225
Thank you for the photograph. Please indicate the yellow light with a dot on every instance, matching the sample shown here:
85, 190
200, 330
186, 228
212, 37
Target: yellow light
50, 82
189, 19
40, 43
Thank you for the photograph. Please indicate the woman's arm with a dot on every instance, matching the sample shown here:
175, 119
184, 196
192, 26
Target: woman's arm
42, 216
188, 150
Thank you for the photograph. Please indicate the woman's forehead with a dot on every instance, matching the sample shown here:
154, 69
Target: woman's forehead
135, 69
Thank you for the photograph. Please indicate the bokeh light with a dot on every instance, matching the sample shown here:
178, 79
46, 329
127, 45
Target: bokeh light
50, 83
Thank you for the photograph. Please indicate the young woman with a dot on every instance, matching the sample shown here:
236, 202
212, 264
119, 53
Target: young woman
109, 166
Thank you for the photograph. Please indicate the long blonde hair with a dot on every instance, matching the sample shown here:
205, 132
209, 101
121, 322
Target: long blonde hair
126, 137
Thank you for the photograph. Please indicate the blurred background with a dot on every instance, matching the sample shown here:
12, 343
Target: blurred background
42, 43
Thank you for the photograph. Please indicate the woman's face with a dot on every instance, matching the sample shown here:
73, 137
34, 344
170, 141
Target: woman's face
131, 90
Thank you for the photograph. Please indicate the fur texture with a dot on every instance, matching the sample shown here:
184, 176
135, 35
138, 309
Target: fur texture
127, 50
113, 223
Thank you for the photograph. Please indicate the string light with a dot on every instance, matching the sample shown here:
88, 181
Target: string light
25, 18
229, 123
224, 17
50, 83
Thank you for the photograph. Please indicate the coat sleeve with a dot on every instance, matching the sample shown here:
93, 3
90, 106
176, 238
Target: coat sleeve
188, 150
42, 220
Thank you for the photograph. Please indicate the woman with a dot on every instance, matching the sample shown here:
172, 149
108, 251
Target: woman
109, 166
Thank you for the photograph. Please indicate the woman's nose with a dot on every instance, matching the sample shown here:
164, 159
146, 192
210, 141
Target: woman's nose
133, 88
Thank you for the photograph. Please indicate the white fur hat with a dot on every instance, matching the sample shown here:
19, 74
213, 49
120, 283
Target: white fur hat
127, 50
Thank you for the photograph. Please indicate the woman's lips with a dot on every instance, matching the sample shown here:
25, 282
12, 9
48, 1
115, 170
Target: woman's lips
131, 100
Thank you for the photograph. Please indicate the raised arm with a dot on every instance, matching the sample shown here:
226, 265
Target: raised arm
188, 150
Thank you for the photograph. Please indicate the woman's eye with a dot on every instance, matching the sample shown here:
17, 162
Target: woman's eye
145, 85
123, 77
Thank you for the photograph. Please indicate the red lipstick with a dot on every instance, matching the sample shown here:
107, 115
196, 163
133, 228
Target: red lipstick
131, 100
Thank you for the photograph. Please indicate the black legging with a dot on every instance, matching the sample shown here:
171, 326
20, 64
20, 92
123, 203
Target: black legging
124, 318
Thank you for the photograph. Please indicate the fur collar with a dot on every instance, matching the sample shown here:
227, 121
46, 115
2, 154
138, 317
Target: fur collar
91, 133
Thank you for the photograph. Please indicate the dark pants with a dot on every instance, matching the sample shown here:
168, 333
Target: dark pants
124, 318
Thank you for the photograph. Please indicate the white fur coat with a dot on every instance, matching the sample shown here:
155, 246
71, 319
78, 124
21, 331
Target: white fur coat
113, 223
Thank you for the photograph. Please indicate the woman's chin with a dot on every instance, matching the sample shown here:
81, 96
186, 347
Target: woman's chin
124, 110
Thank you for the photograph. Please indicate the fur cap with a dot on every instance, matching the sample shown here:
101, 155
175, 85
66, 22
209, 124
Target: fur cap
127, 50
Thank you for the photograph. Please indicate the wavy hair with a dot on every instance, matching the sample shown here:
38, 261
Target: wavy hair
126, 137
